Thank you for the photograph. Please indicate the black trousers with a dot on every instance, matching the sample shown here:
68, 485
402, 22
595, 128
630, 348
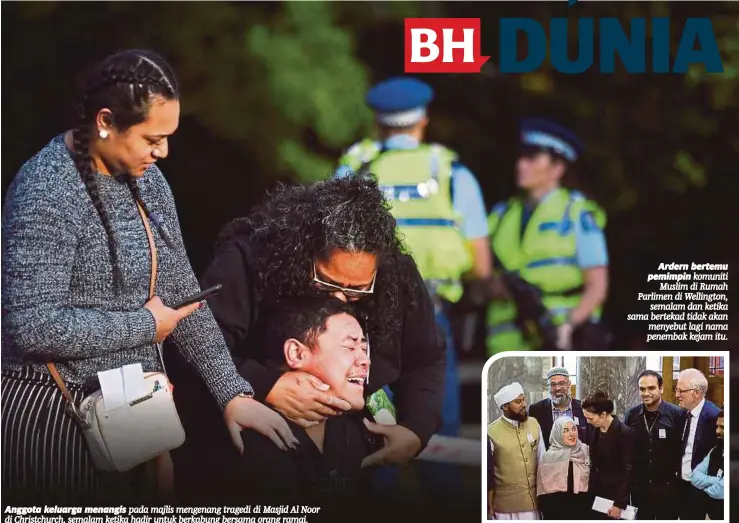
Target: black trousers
692, 503
44, 453
655, 500
715, 508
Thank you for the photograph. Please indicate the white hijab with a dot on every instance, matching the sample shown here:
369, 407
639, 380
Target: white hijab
553, 468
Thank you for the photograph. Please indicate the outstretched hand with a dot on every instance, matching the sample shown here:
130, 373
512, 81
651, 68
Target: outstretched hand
401, 445
247, 413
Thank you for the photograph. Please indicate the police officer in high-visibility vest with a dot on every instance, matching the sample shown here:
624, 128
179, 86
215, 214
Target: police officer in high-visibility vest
440, 212
552, 238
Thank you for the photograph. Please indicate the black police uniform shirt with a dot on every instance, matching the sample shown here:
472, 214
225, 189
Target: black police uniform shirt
658, 436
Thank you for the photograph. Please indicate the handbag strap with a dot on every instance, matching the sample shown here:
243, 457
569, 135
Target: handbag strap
154, 261
152, 250
60, 382
152, 291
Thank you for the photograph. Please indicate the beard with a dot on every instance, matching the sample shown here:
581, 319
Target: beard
521, 416
720, 442
563, 399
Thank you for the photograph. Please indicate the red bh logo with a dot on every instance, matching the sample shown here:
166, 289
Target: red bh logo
443, 45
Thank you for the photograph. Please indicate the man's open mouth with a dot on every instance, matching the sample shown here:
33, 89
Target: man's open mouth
357, 380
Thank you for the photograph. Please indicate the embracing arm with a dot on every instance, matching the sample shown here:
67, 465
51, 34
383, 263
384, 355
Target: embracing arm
232, 309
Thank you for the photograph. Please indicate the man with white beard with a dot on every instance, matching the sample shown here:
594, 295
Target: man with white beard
560, 403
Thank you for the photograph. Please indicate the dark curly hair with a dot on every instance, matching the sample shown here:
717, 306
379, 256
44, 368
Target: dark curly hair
299, 223
125, 83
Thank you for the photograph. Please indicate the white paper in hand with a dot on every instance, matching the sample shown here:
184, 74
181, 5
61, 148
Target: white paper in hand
602, 504
629, 513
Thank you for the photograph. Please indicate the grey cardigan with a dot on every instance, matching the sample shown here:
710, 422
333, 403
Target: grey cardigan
58, 300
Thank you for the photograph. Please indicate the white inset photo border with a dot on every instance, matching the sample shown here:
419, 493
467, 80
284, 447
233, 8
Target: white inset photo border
719, 373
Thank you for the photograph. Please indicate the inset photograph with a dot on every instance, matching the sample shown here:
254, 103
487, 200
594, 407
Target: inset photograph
613, 436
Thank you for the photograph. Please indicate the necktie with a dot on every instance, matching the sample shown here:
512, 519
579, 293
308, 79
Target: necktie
686, 432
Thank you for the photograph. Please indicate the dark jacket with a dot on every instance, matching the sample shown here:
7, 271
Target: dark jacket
542, 411
417, 383
612, 463
705, 434
269, 472
657, 452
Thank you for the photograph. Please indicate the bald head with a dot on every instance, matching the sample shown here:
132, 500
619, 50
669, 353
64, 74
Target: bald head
692, 386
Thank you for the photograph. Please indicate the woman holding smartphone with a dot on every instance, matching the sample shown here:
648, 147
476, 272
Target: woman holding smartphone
76, 280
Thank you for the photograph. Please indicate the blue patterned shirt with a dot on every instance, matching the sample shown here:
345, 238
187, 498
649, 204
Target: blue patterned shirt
557, 413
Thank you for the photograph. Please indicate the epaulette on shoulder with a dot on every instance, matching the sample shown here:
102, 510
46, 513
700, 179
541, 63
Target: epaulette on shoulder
500, 207
365, 150
577, 195
454, 157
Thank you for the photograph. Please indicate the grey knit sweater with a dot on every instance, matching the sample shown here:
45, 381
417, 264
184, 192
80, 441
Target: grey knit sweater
58, 299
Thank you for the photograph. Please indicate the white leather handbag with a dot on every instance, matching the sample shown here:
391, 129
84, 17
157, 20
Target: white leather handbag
134, 433
138, 431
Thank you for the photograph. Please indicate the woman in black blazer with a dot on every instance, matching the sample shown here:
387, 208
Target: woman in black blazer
611, 455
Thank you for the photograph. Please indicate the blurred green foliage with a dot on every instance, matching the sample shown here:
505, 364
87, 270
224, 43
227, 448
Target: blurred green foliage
274, 91
288, 80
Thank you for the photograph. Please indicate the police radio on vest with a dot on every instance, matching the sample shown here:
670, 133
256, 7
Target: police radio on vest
451, 45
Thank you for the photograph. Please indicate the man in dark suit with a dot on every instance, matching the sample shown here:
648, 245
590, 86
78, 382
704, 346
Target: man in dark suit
560, 403
699, 437
657, 426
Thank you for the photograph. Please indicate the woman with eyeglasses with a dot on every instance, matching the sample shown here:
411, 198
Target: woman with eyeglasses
337, 238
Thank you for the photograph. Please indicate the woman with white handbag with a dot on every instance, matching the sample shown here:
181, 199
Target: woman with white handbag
92, 254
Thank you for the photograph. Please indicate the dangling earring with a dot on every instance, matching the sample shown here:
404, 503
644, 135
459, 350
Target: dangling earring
103, 134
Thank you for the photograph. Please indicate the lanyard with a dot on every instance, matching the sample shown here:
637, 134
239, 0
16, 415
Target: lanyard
650, 427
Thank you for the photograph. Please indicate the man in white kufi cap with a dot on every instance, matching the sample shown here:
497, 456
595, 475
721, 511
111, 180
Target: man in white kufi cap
519, 446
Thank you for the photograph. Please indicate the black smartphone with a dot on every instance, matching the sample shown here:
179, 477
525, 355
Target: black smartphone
202, 295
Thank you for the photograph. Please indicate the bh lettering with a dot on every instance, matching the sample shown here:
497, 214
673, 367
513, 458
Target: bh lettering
443, 45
